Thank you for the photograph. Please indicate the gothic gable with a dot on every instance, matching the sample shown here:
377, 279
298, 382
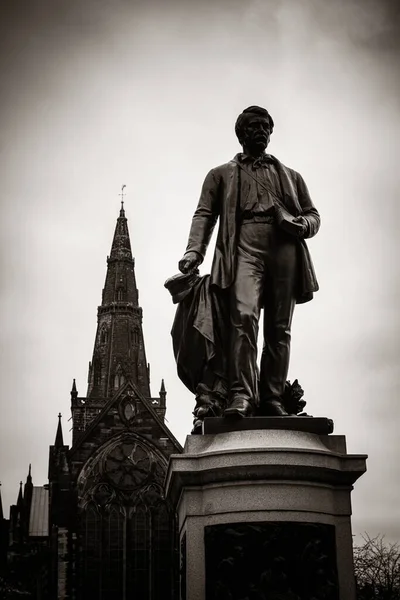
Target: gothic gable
127, 412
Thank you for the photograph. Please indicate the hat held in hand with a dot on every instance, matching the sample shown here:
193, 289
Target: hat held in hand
181, 284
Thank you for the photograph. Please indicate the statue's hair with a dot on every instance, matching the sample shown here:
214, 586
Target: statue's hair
246, 114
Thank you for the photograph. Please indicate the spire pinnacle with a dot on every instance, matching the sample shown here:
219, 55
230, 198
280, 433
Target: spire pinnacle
20, 498
29, 476
122, 211
59, 435
74, 393
163, 395
121, 245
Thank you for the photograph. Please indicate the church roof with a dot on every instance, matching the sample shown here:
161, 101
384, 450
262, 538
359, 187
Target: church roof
39, 515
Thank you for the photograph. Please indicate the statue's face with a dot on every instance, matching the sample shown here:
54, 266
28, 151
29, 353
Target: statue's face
256, 134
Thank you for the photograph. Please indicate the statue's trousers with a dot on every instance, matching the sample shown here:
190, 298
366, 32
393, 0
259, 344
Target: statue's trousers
266, 277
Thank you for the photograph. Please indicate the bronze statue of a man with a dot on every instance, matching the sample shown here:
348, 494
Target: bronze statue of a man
261, 260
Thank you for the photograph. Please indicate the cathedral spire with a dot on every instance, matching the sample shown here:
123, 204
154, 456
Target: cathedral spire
119, 353
59, 442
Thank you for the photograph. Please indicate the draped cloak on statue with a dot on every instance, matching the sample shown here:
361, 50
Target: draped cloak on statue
200, 335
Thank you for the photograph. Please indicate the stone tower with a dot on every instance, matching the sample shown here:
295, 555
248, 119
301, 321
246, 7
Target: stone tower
119, 353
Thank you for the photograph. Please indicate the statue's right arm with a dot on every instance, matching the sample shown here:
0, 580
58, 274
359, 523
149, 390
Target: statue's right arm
205, 216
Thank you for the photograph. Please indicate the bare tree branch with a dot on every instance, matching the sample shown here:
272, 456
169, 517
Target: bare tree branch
377, 569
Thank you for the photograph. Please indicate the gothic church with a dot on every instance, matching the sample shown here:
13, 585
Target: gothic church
110, 533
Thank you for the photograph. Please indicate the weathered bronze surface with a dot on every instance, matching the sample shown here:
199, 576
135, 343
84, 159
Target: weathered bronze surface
261, 261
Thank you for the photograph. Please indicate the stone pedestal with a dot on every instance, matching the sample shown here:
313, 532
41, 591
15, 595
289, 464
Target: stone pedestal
265, 513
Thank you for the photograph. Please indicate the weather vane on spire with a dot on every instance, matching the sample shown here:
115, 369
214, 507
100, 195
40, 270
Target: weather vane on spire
122, 196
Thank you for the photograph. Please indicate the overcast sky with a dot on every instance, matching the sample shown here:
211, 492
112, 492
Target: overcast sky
96, 94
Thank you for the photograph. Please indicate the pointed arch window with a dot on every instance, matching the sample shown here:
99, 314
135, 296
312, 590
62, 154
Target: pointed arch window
104, 335
92, 538
139, 533
119, 378
129, 549
97, 366
112, 558
135, 336
162, 548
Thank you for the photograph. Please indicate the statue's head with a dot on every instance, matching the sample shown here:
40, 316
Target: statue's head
253, 128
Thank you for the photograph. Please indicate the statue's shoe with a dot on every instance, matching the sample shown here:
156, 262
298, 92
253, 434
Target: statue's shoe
240, 407
273, 408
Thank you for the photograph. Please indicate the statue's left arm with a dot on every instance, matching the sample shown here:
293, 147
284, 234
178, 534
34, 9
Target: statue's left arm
309, 212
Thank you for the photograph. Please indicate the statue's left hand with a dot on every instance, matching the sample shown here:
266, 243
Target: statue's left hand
304, 225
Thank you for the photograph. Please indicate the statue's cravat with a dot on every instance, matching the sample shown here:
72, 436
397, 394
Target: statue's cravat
262, 161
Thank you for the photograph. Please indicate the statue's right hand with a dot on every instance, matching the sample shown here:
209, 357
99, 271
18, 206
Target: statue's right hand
189, 262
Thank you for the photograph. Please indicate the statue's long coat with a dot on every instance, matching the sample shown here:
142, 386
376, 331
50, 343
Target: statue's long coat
220, 197
202, 318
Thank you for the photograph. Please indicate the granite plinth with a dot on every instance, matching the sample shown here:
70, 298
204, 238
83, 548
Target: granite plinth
257, 486
318, 425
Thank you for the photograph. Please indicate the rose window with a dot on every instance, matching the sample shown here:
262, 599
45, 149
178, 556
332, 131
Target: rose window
128, 465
